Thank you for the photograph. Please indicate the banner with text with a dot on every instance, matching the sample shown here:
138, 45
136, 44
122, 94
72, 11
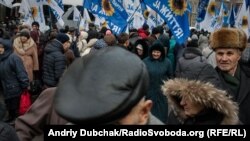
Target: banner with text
175, 14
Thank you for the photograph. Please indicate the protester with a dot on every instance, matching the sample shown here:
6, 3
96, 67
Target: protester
114, 94
197, 103
233, 74
193, 65
54, 63
26, 48
14, 78
159, 68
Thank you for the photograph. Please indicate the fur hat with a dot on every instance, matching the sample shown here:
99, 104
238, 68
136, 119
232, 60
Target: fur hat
225, 38
87, 94
242, 38
62, 37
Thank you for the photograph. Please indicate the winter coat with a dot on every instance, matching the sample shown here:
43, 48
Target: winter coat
158, 70
145, 46
82, 42
203, 42
246, 54
54, 63
90, 44
193, 66
209, 54
143, 33
219, 108
28, 53
7, 133
133, 38
29, 127
243, 95
13, 76
170, 53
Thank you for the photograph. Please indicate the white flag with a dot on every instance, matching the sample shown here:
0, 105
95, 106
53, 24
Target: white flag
210, 19
242, 20
76, 14
7, 3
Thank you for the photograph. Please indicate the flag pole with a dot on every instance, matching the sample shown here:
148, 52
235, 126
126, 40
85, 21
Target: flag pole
131, 17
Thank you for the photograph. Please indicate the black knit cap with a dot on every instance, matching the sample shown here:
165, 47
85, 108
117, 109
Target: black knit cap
99, 90
62, 37
25, 33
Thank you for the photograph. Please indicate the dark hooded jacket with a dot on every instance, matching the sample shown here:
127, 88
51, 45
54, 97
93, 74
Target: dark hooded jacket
7, 133
219, 108
14, 77
159, 70
193, 66
54, 63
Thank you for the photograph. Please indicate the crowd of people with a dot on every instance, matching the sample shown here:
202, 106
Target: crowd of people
142, 77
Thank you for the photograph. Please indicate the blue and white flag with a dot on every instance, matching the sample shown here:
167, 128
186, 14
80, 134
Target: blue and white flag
175, 15
201, 10
189, 8
222, 17
57, 9
231, 19
84, 24
242, 20
211, 18
76, 14
133, 8
33, 11
111, 10
7, 3
154, 19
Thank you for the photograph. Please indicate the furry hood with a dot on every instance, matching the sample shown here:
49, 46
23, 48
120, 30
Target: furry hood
203, 93
228, 38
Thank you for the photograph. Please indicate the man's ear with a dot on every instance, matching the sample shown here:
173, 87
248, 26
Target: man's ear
145, 112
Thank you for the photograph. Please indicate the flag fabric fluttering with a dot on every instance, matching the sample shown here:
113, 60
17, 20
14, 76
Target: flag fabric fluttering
242, 19
57, 9
76, 14
231, 19
176, 16
201, 10
134, 10
84, 24
210, 19
7, 3
221, 17
112, 11
33, 11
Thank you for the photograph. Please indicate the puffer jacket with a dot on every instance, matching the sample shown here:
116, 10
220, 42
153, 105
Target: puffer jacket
54, 63
193, 66
13, 76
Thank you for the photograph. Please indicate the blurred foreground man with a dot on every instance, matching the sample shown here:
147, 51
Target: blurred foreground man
107, 87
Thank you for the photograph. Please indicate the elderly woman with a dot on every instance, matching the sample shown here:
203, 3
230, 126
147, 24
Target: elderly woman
26, 48
197, 103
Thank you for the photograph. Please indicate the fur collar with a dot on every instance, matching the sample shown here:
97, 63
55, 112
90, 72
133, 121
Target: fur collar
22, 47
203, 93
